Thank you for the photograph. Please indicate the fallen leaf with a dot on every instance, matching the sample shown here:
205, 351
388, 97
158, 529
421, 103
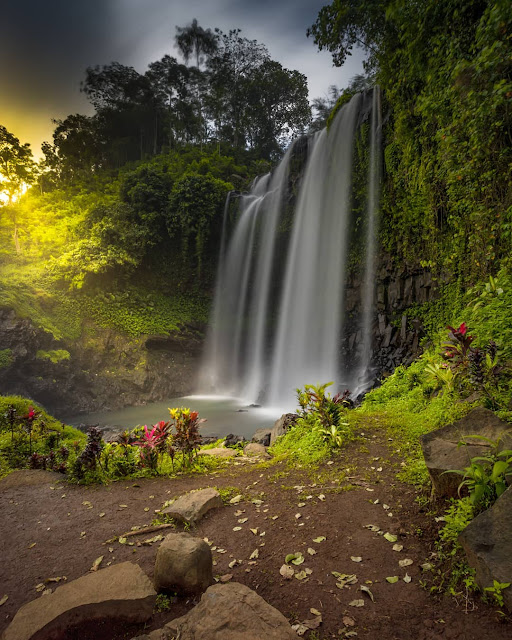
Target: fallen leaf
255, 531
356, 558
123, 506
321, 497
407, 578
298, 515
255, 554
390, 537
348, 621
365, 589
242, 520
398, 547
4, 599
275, 517
319, 539
236, 499
372, 527
356, 603
221, 550
301, 575
96, 564
311, 551
234, 563
122, 540
406, 562
238, 513
294, 558
301, 504
87, 504
300, 629
82, 534
392, 579
102, 515
238, 529
385, 506
426, 566
286, 571
313, 623
32, 545
315, 612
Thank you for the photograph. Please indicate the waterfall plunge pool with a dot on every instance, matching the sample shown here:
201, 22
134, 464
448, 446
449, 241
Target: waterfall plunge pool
223, 415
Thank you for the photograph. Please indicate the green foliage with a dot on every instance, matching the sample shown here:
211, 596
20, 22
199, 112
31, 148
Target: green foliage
319, 429
497, 591
6, 358
487, 476
162, 603
54, 356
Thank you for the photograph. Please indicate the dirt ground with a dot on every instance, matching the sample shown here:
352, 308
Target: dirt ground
51, 529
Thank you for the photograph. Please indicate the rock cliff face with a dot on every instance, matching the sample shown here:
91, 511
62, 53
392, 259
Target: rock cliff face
104, 370
396, 332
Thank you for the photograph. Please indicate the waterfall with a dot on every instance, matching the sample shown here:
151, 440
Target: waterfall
278, 314
363, 378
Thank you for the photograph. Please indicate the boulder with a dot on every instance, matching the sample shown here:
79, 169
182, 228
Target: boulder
122, 592
442, 452
184, 564
254, 449
229, 611
220, 452
231, 440
282, 425
487, 541
194, 505
262, 436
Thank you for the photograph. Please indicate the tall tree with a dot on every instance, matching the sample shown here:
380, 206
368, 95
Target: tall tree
194, 40
17, 169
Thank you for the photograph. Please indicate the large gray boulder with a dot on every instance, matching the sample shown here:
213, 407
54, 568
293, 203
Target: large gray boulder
219, 452
229, 612
487, 541
192, 506
183, 564
122, 592
282, 425
442, 452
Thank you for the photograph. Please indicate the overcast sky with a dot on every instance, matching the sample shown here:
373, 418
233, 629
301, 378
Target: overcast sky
47, 44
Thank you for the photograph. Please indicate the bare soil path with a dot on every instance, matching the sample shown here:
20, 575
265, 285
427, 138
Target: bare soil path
51, 529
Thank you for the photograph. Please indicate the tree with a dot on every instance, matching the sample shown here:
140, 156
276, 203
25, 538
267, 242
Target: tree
17, 171
17, 167
193, 39
277, 107
345, 24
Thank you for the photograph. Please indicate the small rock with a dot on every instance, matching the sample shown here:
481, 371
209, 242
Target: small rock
192, 506
255, 449
220, 452
183, 563
262, 436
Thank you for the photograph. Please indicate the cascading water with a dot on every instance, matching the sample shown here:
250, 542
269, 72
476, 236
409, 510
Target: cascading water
364, 376
278, 311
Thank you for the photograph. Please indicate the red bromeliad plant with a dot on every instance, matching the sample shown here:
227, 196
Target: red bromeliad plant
456, 349
186, 438
150, 445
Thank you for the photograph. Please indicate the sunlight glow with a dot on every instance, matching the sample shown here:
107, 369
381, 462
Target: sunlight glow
4, 196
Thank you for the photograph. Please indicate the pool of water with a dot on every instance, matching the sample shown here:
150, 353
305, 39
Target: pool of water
223, 416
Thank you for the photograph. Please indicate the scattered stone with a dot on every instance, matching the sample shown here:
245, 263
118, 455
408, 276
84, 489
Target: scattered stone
183, 563
255, 449
122, 592
282, 425
192, 506
221, 452
229, 611
262, 436
231, 440
487, 541
442, 453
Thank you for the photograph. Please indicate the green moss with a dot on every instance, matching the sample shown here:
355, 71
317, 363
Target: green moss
55, 356
6, 358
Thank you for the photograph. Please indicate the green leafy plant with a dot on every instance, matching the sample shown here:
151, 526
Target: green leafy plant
497, 591
486, 476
